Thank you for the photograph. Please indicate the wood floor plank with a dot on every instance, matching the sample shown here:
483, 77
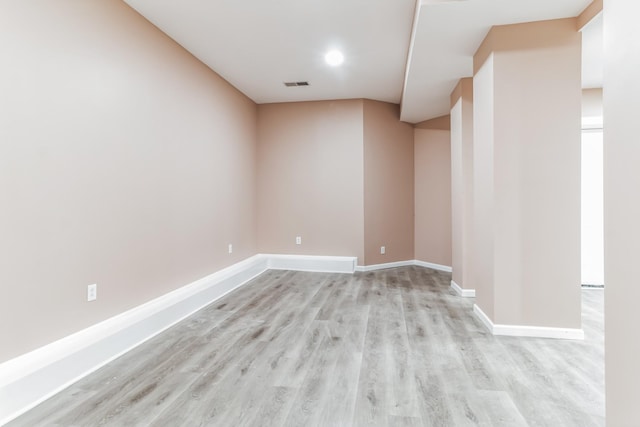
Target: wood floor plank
296, 312
273, 410
315, 389
467, 408
348, 329
125, 390
404, 421
371, 403
503, 412
401, 394
296, 364
222, 373
433, 400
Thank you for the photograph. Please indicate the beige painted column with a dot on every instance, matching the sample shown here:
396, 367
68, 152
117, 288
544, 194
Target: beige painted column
527, 102
462, 187
621, 210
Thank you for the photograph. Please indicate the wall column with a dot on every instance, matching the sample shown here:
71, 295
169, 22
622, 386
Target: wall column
621, 98
527, 108
462, 186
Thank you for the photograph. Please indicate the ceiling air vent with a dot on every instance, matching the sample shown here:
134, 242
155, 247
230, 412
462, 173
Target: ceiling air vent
294, 84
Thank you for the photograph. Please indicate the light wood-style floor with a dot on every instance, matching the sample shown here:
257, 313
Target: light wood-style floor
390, 348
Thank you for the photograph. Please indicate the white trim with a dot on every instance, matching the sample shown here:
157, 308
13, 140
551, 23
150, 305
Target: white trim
433, 266
413, 262
28, 380
465, 293
374, 267
527, 331
483, 317
324, 264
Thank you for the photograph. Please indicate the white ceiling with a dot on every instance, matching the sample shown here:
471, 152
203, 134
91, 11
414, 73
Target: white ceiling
257, 45
449, 33
401, 51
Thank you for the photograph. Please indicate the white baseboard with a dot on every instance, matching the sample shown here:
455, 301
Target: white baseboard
374, 267
527, 331
466, 293
433, 266
325, 264
32, 378
415, 262
483, 317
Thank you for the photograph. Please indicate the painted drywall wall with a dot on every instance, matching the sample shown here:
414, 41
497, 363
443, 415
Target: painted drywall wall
536, 172
339, 174
442, 123
310, 178
433, 196
592, 102
462, 183
388, 184
621, 210
124, 162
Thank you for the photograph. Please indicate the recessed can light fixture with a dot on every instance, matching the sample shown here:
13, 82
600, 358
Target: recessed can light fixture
334, 58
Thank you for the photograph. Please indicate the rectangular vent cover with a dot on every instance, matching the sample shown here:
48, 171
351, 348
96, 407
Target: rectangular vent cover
295, 84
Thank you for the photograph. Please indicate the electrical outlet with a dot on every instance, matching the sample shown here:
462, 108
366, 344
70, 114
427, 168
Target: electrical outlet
298, 240
92, 292
382, 250
230, 248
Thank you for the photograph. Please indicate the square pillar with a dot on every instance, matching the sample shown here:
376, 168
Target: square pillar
526, 179
621, 99
462, 187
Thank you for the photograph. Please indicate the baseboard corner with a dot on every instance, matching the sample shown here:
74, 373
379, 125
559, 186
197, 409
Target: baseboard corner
465, 293
527, 331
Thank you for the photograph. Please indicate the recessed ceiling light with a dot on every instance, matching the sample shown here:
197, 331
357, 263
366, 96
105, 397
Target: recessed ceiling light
334, 58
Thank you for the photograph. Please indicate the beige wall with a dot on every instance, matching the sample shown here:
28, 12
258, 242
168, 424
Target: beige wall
388, 184
442, 123
310, 178
622, 210
535, 222
592, 102
433, 196
339, 174
124, 162
462, 183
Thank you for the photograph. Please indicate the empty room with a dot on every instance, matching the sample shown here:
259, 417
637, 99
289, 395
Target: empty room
319, 213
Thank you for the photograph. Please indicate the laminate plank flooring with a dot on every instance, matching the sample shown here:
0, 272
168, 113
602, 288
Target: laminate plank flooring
393, 347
